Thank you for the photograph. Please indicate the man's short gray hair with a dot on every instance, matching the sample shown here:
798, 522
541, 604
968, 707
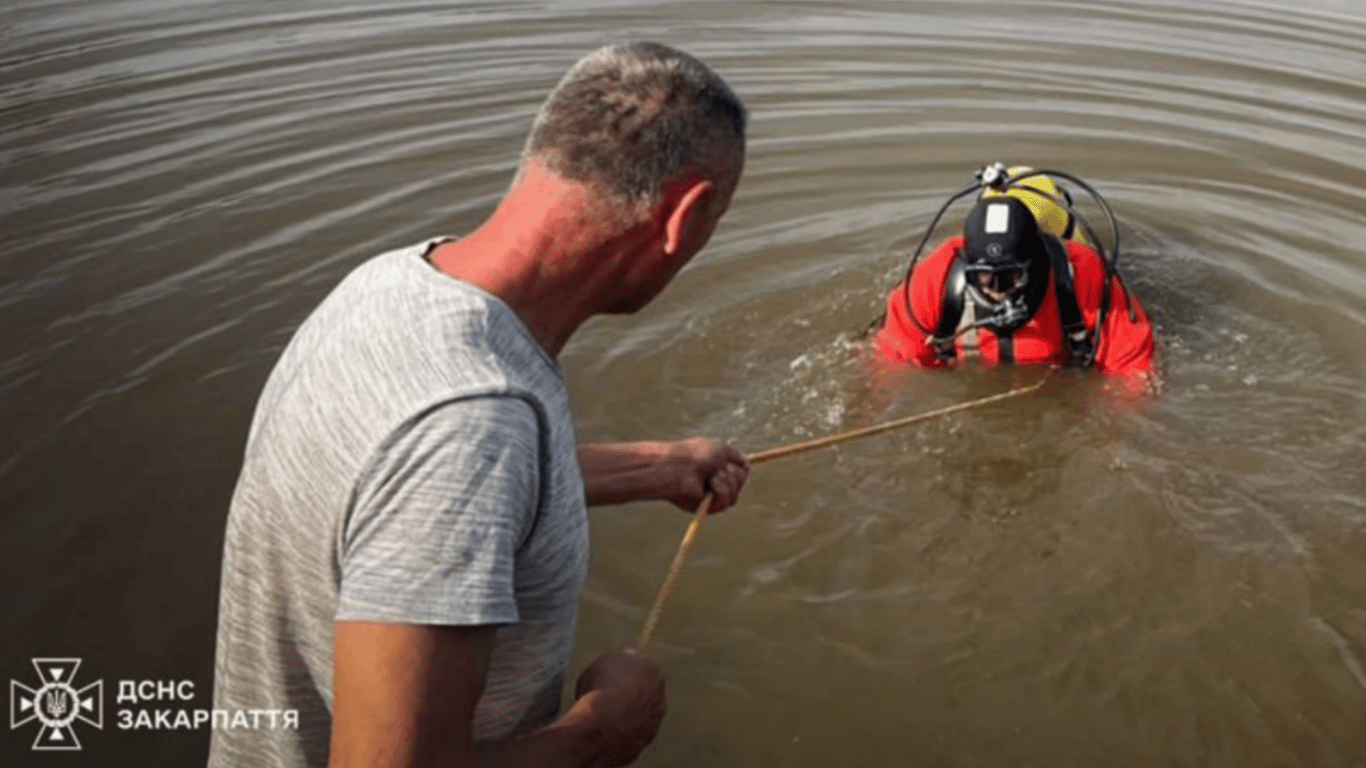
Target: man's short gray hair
627, 119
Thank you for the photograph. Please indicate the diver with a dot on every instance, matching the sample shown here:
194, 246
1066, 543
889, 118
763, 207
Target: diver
1027, 282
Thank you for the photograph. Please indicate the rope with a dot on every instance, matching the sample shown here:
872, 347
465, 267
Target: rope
877, 429
684, 549
703, 510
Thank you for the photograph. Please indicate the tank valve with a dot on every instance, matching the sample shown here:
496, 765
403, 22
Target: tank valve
993, 176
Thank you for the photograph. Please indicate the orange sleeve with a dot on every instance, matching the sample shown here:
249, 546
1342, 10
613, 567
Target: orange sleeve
900, 339
1126, 346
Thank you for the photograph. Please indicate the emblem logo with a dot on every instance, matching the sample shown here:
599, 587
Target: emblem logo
56, 704
994, 250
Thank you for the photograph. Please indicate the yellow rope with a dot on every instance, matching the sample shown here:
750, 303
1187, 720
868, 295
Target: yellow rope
681, 556
877, 429
703, 510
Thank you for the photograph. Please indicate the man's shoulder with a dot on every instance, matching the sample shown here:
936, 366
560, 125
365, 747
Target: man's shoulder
396, 337
399, 275
397, 307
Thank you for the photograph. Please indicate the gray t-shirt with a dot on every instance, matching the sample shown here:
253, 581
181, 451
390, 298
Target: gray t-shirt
411, 460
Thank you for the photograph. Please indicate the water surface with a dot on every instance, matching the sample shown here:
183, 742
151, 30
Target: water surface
1077, 580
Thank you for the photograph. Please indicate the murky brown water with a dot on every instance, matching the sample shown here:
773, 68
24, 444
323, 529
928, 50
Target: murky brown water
1083, 582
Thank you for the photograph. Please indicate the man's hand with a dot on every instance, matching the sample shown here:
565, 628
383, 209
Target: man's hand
620, 698
405, 696
678, 471
702, 464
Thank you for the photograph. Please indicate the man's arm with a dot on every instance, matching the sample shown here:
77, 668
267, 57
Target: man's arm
678, 471
428, 573
405, 695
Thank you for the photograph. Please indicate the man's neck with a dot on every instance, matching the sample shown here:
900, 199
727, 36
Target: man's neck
542, 254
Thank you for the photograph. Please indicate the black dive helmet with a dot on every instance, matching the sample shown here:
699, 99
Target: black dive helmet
1003, 262
1000, 253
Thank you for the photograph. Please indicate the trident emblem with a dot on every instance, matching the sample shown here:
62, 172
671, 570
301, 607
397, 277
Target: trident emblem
56, 704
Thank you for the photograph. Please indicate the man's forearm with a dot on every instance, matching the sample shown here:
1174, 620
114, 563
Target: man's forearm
616, 473
681, 472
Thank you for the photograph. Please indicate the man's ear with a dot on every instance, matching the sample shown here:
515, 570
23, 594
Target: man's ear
688, 210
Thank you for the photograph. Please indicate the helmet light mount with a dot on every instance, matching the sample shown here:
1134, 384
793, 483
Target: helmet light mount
994, 175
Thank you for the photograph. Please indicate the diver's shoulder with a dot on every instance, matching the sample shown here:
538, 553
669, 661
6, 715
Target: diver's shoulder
946, 250
1084, 257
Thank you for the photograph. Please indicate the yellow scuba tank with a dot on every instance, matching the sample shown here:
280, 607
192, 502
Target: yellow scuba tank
1041, 193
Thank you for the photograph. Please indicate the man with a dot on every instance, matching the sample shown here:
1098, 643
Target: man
1021, 285
407, 541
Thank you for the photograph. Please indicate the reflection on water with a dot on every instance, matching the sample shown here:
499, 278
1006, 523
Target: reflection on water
1174, 581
